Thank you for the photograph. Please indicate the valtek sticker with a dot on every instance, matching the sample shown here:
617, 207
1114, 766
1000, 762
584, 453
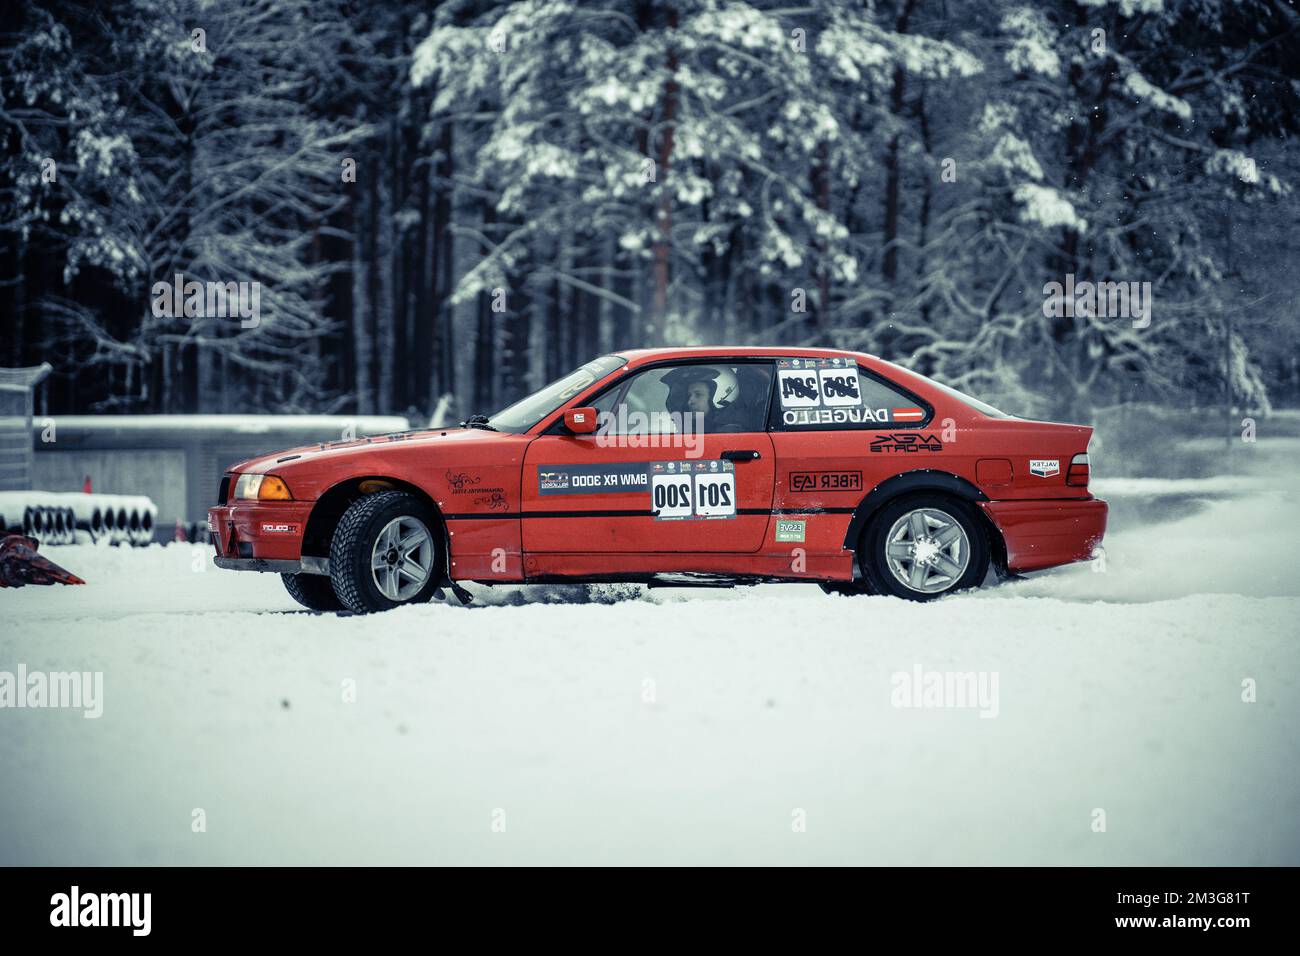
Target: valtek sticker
789, 530
1044, 467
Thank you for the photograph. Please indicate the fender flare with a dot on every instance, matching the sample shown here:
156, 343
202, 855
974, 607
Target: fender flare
925, 479
331, 503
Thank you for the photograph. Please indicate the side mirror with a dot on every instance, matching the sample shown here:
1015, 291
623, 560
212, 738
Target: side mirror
580, 421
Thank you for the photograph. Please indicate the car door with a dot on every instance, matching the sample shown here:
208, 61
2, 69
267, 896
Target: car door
655, 477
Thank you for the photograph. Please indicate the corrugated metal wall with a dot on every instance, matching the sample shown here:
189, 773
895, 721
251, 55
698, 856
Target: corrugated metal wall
15, 438
16, 386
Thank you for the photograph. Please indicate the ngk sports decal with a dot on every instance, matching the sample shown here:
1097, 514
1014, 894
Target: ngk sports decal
906, 443
1044, 467
678, 490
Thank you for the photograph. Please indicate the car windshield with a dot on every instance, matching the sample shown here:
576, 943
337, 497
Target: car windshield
527, 412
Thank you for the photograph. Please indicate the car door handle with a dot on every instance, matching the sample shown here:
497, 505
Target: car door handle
746, 455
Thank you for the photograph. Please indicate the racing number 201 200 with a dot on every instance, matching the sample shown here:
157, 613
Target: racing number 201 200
672, 497
715, 495
707, 496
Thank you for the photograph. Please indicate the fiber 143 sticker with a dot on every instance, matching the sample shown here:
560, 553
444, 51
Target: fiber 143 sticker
682, 490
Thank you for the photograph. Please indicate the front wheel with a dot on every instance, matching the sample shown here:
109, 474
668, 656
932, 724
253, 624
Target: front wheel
385, 552
924, 546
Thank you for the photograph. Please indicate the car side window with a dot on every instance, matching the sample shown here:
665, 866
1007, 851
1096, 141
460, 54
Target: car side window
819, 394
695, 397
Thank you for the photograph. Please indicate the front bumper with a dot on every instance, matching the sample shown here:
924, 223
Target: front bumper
1045, 533
258, 530
308, 565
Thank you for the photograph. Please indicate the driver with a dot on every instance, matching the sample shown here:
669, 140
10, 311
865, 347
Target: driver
709, 392
699, 397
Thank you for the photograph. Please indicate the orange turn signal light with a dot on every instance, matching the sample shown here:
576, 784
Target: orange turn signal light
273, 489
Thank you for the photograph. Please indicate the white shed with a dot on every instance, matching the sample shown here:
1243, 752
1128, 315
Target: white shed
16, 388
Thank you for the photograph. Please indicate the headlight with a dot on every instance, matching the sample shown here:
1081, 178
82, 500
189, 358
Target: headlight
262, 488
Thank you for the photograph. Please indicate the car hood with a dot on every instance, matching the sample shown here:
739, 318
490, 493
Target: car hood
338, 452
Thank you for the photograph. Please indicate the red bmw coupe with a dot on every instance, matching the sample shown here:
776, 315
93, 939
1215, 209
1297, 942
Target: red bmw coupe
710, 466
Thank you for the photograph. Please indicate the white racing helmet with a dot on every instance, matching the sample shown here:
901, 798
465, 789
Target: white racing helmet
724, 387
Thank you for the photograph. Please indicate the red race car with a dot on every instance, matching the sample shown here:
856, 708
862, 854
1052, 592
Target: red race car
702, 465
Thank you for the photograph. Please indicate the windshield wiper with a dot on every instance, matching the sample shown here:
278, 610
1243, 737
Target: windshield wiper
478, 421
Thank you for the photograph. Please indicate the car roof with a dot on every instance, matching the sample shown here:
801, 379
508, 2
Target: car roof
641, 356
896, 373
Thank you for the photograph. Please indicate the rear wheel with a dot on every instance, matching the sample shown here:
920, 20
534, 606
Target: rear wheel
924, 546
385, 552
312, 591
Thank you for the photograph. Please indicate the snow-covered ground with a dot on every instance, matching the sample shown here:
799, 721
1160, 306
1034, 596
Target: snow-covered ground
746, 726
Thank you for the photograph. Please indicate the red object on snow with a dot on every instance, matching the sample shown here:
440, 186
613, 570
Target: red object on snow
798, 464
179, 534
85, 486
20, 564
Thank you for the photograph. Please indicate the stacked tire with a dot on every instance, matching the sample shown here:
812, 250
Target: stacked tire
70, 518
